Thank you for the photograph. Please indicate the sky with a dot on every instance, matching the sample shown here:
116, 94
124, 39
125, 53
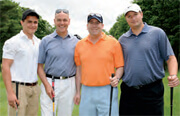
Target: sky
78, 11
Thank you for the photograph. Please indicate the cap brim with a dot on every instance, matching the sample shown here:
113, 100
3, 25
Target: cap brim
131, 10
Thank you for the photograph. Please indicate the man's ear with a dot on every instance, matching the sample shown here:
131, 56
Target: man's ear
21, 22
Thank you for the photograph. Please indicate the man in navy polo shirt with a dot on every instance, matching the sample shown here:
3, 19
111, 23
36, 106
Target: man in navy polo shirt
57, 53
145, 48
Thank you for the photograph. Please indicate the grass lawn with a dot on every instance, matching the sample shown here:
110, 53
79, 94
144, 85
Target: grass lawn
176, 102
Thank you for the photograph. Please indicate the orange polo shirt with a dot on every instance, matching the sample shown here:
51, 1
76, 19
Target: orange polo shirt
98, 61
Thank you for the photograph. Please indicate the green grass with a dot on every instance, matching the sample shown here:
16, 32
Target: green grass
176, 100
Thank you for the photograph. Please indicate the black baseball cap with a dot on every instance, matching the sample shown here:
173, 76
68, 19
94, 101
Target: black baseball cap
29, 12
95, 16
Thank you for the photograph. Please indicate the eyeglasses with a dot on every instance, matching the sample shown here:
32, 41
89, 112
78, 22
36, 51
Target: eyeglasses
95, 14
62, 10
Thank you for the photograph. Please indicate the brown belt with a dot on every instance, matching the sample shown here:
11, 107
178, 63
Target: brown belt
26, 84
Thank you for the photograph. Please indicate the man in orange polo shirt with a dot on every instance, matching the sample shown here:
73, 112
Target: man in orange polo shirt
96, 57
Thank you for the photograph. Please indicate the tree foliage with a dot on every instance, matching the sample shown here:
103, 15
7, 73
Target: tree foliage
161, 13
119, 27
10, 17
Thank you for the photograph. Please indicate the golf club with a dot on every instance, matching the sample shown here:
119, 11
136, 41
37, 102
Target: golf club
53, 95
111, 95
171, 102
17, 97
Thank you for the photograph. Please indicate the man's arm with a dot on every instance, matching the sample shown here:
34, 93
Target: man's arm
43, 78
77, 97
115, 80
6, 74
172, 69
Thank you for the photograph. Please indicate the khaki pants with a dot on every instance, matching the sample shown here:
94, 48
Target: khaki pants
28, 97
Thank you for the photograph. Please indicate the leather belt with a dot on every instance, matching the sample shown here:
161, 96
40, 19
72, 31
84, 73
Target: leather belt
60, 77
26, 84
147, 85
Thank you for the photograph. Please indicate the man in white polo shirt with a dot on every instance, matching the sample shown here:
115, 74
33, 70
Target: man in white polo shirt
19, 68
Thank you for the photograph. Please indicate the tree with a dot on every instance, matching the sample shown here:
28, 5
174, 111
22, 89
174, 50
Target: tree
119, 27
105, 32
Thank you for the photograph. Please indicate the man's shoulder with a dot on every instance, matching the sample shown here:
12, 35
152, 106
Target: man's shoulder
124, 35
155, 29
111, 39
13, 39
74, 38
81, 42
48, 36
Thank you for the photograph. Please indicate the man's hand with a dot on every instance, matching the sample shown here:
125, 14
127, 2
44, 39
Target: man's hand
12, 100
49, 91
173, 81
77, 98
114, 81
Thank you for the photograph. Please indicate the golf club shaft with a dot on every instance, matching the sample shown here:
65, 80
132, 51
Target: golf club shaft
111, 95
17, 85
53, 95
171, 103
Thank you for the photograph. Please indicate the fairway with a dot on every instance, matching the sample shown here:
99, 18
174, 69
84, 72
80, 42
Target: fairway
176, 103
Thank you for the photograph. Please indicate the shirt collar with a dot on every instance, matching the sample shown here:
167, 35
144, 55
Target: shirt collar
103, 37
24, 36
55, 35
144, 30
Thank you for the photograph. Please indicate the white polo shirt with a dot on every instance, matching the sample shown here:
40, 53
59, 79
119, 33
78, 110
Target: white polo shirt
24, 55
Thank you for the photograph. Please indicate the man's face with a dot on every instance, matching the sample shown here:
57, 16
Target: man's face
134, 19
62, 22
94, 27
30, 25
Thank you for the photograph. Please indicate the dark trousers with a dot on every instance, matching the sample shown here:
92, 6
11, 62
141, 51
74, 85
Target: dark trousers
145, 100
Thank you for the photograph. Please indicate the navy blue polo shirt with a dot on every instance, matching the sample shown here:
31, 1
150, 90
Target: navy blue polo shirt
144, 55
58, 54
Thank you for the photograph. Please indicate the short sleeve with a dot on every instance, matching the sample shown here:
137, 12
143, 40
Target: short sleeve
9, 50
165, 46
118, 55
42, 53
76, 56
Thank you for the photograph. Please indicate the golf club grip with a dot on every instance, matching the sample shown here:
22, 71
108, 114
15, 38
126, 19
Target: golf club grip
112, 75
171, 102
53, 88
111, 95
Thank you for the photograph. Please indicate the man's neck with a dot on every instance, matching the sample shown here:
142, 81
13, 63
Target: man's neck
30, 36
137, 30
95, 38
63, 35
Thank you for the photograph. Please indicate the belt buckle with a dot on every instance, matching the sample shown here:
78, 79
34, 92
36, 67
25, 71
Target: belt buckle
33, 84
62, 77
137, 87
